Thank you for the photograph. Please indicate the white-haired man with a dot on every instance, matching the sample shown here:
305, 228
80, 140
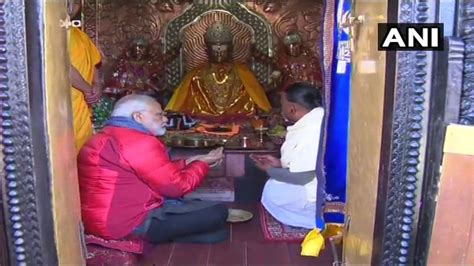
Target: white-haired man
128, 183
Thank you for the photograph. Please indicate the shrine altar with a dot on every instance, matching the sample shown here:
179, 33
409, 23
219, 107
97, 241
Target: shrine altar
236, 150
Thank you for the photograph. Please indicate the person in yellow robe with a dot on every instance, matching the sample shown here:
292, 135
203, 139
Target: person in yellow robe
220, 88
84, 76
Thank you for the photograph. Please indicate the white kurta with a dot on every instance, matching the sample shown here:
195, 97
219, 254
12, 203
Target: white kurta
290, 204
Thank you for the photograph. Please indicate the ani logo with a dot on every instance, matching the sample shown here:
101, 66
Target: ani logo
410, 37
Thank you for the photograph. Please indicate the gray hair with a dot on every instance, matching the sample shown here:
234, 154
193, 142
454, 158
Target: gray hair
129, 104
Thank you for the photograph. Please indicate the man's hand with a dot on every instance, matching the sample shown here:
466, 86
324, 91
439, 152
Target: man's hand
95, 93
213, 157
93, 96
265, 162
219, 152
266, 159
262, 165
92, 93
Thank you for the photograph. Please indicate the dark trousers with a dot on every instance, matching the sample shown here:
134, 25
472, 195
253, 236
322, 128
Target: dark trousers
208, 225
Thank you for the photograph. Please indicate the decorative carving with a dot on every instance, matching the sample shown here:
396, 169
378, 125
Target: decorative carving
270, 6
444, 110
19, 191
172, 39
139, 69
263, 40
261, 37
454, 78
297, 63
305, 17
406, 163
163, 5
102, 17
91, 15
112, 24
194, 52
466, 32
180, 2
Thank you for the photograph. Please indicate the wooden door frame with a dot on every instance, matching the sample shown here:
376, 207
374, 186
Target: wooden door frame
26, 188
405, 175
424, 92
452, 102
404, 138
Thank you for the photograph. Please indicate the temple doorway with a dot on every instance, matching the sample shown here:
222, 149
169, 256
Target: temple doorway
384, 151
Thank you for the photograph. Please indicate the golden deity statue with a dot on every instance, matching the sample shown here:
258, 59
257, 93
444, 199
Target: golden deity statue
298, 64
220, 90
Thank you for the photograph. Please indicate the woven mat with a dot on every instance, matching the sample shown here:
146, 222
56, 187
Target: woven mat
275, 231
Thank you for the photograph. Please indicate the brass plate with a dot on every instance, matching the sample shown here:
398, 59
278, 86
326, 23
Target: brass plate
239, 216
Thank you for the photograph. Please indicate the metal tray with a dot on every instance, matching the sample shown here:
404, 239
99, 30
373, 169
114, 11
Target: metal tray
187, 142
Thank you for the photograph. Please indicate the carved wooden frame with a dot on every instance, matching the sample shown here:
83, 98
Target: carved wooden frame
25, 178
404, 142
465, 30
26, 191
452, 102
444, 109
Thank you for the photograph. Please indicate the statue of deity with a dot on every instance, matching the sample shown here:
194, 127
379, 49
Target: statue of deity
298, 64
220, 90
137, 71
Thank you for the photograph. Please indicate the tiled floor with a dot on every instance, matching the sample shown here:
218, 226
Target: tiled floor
245, 247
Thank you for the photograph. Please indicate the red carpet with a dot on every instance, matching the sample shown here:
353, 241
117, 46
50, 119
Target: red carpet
114, 252
275, 231
97, 255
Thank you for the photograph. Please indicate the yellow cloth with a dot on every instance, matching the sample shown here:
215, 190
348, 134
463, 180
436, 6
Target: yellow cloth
189, 97
314, 240
313, 243
84, 56
333, 229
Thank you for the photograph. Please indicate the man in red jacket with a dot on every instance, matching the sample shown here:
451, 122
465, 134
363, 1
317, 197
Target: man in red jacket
129, 185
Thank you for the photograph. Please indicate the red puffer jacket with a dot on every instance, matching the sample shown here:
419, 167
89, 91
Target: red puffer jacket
123, 174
